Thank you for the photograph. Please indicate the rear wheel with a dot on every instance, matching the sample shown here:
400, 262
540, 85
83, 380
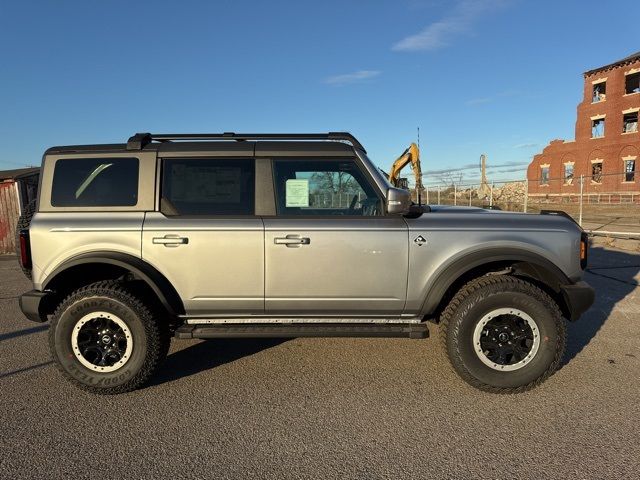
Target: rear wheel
503, 334
105, 340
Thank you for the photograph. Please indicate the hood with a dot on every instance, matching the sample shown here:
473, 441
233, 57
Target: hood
463, 217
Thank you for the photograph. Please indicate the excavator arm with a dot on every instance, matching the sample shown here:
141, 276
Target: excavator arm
410, 155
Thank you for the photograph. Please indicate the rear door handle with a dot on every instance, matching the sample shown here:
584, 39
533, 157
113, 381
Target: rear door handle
170, 240
292, 240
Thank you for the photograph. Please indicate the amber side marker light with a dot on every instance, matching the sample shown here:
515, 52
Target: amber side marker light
584, 249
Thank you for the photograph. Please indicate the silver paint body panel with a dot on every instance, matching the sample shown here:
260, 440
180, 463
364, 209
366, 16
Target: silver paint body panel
351, 266
58, 237
221, 268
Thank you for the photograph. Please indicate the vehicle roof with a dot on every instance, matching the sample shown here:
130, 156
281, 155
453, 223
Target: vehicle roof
233, 148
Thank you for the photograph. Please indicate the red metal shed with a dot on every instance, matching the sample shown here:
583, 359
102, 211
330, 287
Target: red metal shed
17, 189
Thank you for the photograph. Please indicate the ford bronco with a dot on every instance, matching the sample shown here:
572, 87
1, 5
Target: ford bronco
284, 235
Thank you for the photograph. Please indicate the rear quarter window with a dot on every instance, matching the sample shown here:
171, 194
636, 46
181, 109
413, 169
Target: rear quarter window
95, 182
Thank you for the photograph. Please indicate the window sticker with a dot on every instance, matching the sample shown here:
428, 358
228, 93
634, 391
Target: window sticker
297, 193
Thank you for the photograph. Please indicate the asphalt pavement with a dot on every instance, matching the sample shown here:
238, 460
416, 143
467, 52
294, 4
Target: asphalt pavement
330, 408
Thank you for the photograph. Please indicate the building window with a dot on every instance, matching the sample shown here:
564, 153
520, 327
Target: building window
599, 92
596, 172
629, 170
568, 173
597, 128
630, 122
544, 175
632, 83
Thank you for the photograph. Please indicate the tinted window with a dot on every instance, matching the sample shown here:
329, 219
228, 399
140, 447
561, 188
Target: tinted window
323, 187
95, 182
202, 186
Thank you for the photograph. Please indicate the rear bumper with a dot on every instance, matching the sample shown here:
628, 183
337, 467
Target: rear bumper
33, 305
579, 298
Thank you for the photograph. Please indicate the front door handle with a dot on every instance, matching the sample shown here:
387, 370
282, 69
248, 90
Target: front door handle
292, 240
170, 240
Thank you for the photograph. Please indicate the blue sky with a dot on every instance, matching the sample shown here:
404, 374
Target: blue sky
501, 77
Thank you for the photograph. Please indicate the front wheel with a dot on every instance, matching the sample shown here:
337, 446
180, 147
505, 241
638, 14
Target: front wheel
105, 340
503, 334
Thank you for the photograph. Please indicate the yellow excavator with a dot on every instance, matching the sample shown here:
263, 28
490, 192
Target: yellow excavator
410, 156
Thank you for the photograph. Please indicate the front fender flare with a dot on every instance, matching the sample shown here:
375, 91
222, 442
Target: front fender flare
554, 277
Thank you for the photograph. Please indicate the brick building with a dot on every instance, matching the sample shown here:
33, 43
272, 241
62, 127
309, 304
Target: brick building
606, 148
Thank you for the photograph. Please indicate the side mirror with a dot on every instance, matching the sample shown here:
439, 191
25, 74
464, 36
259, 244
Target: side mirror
398, 201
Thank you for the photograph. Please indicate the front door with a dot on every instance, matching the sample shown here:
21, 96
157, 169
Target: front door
206, 240
330, 250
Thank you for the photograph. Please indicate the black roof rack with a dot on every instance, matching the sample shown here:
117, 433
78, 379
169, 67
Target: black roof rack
140, 140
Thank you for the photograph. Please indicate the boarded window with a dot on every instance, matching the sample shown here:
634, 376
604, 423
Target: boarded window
544, 176
95, 182
596, 172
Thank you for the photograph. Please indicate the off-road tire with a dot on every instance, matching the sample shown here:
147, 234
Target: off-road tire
480, 296
150, 339
23, 223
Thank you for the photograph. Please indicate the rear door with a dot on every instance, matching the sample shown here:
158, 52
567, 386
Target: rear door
330, 250
206, 238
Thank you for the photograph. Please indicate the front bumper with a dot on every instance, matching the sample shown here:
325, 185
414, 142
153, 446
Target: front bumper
34, 305
579, 297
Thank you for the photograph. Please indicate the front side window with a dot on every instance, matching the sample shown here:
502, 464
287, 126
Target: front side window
206, 186
324, 187
95, 182
629, 170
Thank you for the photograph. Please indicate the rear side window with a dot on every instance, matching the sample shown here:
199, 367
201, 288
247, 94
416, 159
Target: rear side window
207, 186
95, 182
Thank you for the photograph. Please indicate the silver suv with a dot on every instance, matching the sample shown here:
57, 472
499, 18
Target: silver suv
284, 235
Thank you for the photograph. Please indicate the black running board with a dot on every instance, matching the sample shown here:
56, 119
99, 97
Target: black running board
414, 330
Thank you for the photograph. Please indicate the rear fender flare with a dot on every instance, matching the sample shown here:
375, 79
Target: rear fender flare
164, 290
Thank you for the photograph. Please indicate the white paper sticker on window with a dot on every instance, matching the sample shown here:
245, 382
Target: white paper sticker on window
297, 193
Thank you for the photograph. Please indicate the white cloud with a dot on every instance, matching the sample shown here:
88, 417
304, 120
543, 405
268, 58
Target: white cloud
526, 145
478, 101
354, 77
441, 33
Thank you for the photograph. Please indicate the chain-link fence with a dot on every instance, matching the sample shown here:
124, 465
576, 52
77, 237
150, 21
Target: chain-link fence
603, 202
